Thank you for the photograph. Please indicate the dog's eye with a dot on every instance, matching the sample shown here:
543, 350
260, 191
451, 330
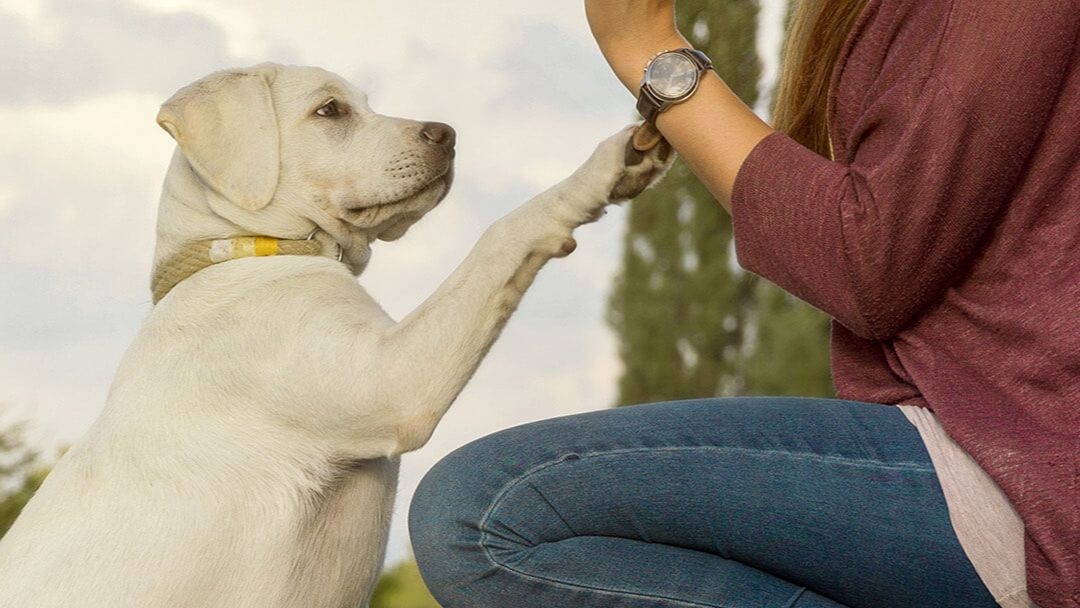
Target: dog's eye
330, 109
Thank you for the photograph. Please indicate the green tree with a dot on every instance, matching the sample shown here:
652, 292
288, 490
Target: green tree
12, 504
21, 473
402, 587
690, 323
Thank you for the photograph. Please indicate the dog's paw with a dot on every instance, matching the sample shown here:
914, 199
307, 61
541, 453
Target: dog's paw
646, 158
629, 162
625, 164
617, 170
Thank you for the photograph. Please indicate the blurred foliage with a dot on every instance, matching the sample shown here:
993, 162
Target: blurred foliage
691, 323
21, 473
11, 504
402, 587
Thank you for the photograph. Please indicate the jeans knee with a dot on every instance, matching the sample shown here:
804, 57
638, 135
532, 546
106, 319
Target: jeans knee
444, 521
454, 502
431, 513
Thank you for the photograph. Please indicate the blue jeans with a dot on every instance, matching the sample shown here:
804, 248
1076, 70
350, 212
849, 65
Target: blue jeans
731, 503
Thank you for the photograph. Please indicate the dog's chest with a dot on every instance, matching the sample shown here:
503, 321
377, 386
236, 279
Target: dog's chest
342, 538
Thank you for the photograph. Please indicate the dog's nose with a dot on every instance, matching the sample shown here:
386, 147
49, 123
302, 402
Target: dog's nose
438, 133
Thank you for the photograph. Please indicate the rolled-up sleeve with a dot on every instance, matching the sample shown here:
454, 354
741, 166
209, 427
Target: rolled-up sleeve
928, 164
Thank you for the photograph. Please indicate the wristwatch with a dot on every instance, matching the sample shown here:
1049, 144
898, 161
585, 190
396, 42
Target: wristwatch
671, 77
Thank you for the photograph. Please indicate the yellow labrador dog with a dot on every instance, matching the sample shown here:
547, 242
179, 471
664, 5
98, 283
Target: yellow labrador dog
248, 452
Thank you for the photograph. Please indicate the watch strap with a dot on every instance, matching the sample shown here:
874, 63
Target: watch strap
649, 105
701, 59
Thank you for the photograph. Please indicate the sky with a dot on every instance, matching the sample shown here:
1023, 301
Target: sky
82, 162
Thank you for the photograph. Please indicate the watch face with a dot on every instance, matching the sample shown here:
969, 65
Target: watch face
672, 75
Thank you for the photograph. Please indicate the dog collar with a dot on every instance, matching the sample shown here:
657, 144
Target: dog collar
203, 254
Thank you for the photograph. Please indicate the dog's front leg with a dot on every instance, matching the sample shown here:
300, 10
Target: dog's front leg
428, 357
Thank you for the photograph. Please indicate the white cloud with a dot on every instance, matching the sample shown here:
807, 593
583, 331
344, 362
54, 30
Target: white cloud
8, 194
77, 236
87, 177
74, 48
113, 128
33, 15
245, 37
27, 9
770, 39
59, 387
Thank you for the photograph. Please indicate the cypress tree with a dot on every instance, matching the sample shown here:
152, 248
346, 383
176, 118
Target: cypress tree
690, 323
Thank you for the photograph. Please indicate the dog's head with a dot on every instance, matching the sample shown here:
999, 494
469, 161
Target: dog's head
273, 144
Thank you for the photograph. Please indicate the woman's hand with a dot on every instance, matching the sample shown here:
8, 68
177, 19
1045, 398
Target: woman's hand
713, 131
630, 32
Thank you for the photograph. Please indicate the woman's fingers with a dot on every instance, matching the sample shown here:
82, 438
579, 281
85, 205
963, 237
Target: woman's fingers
629, 32
624, 22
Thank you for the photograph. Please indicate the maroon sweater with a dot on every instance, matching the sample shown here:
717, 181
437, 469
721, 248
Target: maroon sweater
945, 241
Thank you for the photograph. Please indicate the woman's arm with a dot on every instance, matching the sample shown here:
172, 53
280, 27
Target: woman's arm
928, 157
629, 33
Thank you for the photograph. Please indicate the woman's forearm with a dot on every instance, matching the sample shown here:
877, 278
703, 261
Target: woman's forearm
713, 131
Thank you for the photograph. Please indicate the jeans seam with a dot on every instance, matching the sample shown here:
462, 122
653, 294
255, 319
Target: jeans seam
863, 463
555, 511
577, 586
794, 598
580, 587
513, 483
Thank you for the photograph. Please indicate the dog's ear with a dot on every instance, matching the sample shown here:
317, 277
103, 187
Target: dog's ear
227, 129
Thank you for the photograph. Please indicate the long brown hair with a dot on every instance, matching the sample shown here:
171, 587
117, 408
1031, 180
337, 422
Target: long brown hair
816, 36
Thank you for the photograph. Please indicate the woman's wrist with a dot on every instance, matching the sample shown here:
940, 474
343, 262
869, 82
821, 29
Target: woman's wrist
629, 32
628, 61
713, 131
